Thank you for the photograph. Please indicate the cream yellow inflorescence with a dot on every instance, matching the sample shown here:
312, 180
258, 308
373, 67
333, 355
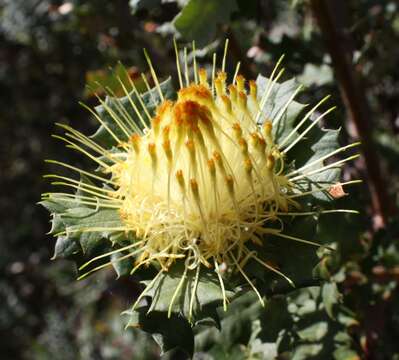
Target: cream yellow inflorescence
199, 180
205, 177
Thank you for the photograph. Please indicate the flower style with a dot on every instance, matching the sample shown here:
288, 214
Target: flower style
200, 180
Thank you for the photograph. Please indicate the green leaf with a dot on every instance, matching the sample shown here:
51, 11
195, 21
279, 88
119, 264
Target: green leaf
318, 75
319, 143
207, 292
121, 267
170, 333
199, 18
55, 207
278, 97
65, 247
236, 323
316, 144
246, 328
343, 230
294, 259
295, 324
114, 106
236, 327
99, 80
74, 221
78, 224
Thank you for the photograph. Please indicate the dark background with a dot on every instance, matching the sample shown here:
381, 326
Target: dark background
49, 51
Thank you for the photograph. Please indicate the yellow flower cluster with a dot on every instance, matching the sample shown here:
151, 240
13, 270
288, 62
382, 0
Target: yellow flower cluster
200, 179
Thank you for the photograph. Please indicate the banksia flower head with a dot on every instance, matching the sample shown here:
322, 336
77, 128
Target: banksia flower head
199, 180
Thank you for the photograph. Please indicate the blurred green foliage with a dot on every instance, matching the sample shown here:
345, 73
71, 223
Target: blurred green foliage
50, 49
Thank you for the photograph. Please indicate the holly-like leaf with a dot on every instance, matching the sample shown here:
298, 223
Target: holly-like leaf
72, 222
235, 327
316, 144
79, 226
279, 94
277, 252
318, 75
169, 334
121, 267
172, 284
65, 247
122, 107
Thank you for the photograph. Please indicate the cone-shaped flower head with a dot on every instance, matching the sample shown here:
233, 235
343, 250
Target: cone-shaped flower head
204, 178
200, 179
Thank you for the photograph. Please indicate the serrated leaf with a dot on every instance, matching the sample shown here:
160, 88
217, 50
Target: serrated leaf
199, 18
319, 143
208, 291
278, 97
57, 225
121, 267
278, 253
56, 207
236, 323
264, 351
78, 224
75, 220
99, 80
151, 100
235, 326
318, 75
246, 327
65, 247
169, 333
342, 230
